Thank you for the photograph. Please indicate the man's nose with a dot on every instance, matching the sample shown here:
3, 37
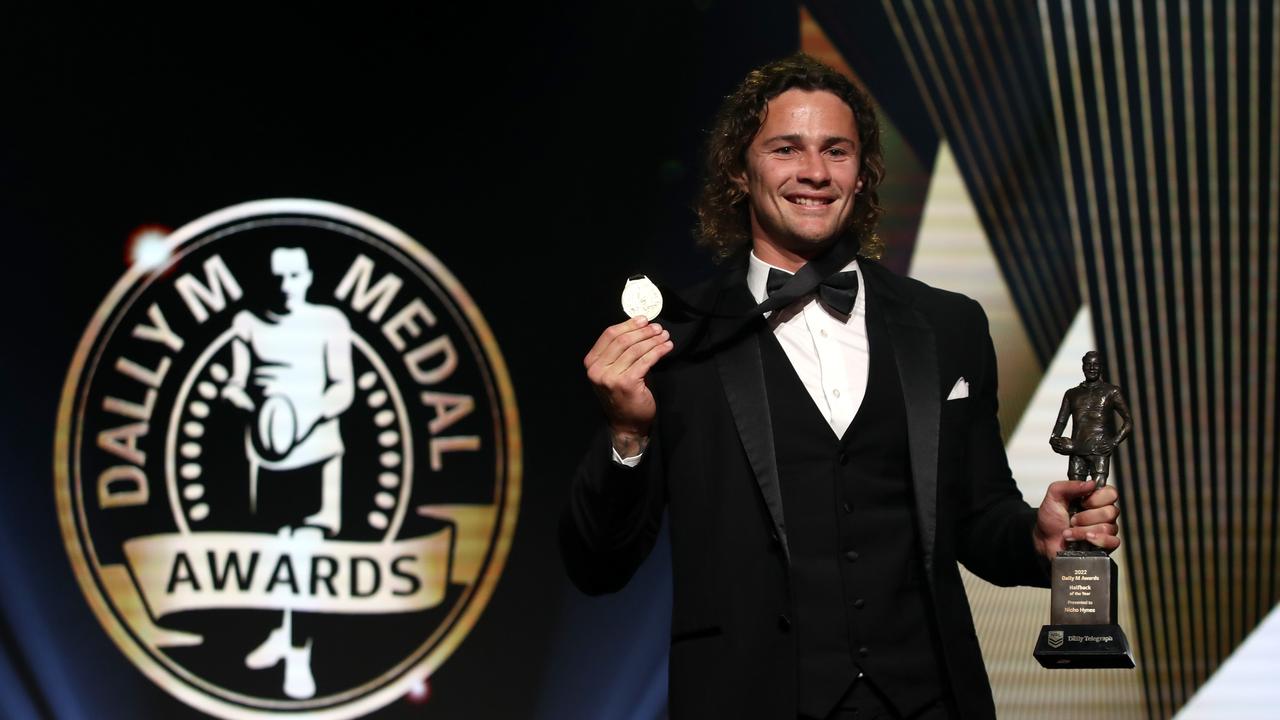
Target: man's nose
813, 169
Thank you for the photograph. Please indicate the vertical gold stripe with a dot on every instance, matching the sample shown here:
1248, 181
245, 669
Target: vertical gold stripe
1143, 654
1253, 335
1087, 164
914, 67
1114, 231
1186, 569
1036, 173
1158, 657
1040, 274
980, 173
1233, 379
1201, 428
1174, 574
1060, 122
1221, 482
1086, 160
1150, 568
1192, 478
1191, 472
1273, 269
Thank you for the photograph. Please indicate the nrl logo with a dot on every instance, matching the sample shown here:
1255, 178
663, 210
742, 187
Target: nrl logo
1055, 639
288, 463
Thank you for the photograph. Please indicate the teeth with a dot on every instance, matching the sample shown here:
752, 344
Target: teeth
809, 201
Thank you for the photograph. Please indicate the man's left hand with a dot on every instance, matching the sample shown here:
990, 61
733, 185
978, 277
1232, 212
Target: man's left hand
1096, 523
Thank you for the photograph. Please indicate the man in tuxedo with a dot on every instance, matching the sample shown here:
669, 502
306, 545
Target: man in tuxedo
824, 440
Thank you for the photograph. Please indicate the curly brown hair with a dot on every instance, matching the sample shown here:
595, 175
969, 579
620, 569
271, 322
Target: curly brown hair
723, 218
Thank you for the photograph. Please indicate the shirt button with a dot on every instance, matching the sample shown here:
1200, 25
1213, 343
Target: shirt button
823, 332
784, 623
844, 458
836, 392
852, 556
859, 603
864, 651
847, 508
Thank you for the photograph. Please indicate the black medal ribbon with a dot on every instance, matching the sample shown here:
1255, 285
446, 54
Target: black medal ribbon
824, 274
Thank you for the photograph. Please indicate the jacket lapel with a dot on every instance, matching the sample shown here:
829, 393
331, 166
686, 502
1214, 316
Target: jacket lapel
915, 351
914, 347
742, 374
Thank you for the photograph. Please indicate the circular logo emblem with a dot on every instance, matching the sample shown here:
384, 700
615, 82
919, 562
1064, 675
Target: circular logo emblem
288, 462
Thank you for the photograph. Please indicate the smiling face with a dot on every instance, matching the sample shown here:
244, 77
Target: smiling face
801, 176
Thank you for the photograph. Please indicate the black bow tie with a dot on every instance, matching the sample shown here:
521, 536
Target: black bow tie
836, 292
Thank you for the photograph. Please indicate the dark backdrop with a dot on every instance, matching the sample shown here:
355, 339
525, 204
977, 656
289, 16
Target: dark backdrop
538, 152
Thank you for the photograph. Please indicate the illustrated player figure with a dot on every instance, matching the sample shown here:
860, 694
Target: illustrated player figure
1090, 405
300, 360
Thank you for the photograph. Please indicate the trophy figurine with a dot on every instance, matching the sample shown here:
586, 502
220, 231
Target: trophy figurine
1084, 631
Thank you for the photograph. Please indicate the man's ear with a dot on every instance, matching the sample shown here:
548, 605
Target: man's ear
739, 180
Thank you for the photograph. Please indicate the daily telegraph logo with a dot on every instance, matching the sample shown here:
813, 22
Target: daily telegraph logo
288, 462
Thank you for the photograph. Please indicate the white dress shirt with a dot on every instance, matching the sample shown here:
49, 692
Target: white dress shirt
829, 351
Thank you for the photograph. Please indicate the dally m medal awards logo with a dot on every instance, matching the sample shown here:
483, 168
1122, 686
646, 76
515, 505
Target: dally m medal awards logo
288, 463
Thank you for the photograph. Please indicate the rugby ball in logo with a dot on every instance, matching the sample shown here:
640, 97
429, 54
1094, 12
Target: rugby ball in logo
277, 423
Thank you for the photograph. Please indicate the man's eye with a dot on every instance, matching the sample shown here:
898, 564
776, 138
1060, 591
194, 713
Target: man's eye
787, 150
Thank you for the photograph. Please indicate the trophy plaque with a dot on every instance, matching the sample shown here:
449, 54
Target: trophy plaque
1084, 629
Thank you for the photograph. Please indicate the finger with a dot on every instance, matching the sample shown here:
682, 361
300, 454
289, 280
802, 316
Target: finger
1103, 540
609, 375
1081, 532
1106, 514
1104, 528
624, 350
1069, 489
624, 340
1103, 497
608, 336
642, 366
625, 362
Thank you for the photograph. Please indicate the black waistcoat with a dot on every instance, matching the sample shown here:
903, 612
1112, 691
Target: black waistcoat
858, 590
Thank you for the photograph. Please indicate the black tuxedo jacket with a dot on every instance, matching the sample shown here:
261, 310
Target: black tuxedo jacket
711, 463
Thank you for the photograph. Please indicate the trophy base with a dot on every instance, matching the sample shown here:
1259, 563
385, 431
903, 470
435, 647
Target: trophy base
1075, 647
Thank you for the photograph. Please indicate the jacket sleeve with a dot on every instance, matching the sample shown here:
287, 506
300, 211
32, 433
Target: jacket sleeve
995, 530
612, 517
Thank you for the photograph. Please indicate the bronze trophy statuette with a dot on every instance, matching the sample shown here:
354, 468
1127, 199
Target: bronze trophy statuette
1084, 630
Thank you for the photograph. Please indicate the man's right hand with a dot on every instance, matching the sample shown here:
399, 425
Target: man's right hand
617, 366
